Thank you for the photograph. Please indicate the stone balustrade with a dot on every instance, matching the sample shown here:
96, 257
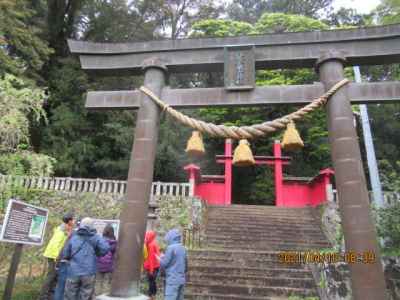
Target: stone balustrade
82, 185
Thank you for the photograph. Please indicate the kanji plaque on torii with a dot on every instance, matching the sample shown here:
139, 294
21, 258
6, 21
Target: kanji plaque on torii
328, 51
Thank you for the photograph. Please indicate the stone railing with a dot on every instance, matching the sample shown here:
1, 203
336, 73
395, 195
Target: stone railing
82, 185
389, 198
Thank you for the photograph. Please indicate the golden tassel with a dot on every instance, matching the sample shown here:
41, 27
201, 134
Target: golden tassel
291, 138
195, 144
243, 157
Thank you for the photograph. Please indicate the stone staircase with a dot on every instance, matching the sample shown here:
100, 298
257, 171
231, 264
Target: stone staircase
241, 257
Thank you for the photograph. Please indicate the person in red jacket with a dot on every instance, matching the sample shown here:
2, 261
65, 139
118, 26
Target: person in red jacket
152, 263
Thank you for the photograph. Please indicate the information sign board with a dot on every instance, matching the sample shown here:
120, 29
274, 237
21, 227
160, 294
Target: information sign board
99, 224
24, 223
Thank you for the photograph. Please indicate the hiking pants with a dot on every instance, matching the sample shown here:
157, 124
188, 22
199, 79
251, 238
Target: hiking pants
80, 288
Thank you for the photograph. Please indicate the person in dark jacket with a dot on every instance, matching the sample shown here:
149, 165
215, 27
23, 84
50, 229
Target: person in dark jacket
174, 262
151, 263
105, 264
82, 251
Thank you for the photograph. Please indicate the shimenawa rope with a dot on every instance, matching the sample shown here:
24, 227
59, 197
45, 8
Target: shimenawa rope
245, 132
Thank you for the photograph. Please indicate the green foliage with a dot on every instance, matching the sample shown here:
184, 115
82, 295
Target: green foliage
220, 28
390, 175
133, 21
251, 10
22, 50
26, 163
388, 226
20, 109
25, 289
279, 23
349, 17
388, 12
173, 212
17, 103
171, 157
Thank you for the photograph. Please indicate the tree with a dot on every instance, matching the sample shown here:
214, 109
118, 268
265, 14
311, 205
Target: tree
62, 23
348, 17
389, 12
175, 17
279, 23
20, 108
251, 10
22, 50
97, 20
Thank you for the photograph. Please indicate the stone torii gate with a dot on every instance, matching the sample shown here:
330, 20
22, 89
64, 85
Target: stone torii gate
327, 51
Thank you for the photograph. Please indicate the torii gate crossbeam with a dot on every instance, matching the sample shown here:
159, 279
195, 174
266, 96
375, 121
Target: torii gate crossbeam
328, 51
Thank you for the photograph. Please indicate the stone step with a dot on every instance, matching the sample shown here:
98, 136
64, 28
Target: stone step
245, 263
242, 260
261, 281
248, 290
289, 214
266, 219
277, 272
240, 255
264, 229
271, 247
256, 208
266, 238
260, 215
258, 244
244, 215
267, 223
234, 254
260, 228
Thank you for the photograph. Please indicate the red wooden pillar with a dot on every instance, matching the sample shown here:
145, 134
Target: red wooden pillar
278, 174
193, 171
228, 172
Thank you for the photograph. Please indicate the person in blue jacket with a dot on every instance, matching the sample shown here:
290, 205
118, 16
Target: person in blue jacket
81, 252
174, 262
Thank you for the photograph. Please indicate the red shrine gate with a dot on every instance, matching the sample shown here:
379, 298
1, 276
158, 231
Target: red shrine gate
289, 191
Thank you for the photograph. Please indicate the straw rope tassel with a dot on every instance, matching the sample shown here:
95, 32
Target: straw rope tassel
243, 157
291, 138
195, 146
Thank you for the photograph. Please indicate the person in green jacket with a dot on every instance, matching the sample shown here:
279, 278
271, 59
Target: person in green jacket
52, 251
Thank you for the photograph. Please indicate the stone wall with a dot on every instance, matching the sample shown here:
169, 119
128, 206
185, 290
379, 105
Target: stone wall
334, 282
333, 279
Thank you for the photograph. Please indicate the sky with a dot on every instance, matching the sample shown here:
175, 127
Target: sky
362, 6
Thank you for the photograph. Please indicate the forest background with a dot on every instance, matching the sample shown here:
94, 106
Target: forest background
45, 129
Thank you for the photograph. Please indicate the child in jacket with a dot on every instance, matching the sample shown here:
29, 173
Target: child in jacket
174, 262
151, 263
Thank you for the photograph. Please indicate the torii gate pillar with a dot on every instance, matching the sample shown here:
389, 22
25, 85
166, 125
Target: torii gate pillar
367, 280
126, 277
